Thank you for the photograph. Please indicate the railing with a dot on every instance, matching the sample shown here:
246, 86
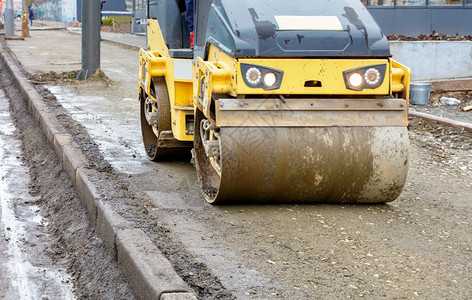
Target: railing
116, 13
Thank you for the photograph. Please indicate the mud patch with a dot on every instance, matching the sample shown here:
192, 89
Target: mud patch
67, 78
81, 137
451, 145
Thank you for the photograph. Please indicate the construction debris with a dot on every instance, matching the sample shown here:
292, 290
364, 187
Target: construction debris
467, 108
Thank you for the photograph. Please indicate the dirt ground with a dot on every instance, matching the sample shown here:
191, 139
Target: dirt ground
119, 27
454, 112
417, 247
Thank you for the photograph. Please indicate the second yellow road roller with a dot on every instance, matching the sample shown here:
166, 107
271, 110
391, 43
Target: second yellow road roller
279, 101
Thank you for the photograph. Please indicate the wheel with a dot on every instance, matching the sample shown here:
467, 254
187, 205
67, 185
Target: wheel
155, 119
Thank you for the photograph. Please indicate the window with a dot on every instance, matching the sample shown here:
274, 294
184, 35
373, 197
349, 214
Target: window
129, 5
411, 2
445, 2
139, 4
382, 2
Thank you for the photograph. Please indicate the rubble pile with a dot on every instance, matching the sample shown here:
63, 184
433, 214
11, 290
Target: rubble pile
433, 36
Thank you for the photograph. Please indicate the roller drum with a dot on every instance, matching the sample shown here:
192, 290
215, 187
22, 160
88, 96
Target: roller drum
308, 165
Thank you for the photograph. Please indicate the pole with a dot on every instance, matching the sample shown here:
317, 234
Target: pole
24, 19
9, 19
90, 38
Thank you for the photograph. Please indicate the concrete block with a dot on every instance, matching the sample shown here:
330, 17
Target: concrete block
72, 159
60, 140
452, 85
50, 126
37, 106
28, 91
434, 60
147, 271
87, 192
109, 223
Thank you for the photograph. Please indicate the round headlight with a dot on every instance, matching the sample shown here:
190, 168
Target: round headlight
372, 76
355, 80
270, 79
253, 76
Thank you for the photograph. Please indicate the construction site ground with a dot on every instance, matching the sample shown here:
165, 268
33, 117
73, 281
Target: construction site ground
417, 247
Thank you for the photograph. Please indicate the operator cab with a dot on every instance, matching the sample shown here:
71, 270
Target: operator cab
171, 16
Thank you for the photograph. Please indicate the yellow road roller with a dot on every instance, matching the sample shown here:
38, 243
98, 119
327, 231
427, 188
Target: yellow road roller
278, 101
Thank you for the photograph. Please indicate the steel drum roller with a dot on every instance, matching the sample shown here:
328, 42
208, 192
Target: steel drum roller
308, 165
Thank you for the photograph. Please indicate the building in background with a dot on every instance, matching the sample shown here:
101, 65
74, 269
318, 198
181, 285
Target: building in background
51, 9
407, 17
415, 17
70, 10
16, 8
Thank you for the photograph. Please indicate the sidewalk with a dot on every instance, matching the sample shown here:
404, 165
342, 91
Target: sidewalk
131, 40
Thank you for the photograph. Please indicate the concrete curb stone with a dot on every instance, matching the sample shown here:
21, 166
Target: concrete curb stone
109, 223
59, 140
152, 264
72, 160
51, 126
87, 192
150, 274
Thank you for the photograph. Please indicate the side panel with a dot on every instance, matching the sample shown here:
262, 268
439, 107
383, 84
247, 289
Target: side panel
179, 83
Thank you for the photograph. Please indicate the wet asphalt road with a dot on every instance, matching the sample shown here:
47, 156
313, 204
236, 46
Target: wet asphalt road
26, 271
416, 247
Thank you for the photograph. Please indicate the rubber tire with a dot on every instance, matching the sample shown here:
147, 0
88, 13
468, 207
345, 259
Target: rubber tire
150, 139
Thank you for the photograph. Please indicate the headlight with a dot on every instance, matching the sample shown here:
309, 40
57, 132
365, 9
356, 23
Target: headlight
355, 80
369, 77
261, 77
253, 76
270, 79
372, 76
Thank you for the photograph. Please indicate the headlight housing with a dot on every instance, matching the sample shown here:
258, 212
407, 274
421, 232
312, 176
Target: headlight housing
261, 77
369, 77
